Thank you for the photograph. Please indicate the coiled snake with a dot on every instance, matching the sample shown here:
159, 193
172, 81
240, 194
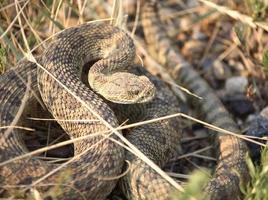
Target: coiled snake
98, 159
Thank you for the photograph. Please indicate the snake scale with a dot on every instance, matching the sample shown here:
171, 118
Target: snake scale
231, 168
99, 157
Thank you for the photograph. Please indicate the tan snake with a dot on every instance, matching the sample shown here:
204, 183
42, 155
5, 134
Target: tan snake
159, 141
97, 159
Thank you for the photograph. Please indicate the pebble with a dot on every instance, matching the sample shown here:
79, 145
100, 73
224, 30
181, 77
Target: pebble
193, 48
220, 70
237, 84
264, 112
237, 66
239, 105
250, 118
207, 63
129, 6
198, 35
185, 22
258, 128
192, 3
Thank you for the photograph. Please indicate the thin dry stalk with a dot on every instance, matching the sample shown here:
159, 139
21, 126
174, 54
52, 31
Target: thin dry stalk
192, 153
210, 42
14, 20
18, 115
236, 15
17, 127
136, 21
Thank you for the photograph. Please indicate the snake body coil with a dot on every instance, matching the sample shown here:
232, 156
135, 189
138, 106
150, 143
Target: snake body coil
98, 159
231, 168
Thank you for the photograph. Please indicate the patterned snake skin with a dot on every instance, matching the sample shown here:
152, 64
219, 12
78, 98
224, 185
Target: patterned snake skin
97, 160
231, 169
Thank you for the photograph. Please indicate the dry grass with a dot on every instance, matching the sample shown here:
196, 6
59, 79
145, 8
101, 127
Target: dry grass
27, 26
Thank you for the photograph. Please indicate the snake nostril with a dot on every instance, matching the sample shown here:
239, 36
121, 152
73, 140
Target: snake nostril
134, 92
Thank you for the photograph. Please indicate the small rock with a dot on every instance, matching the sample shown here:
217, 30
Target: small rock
61, 152
250, 118
218, 47
239, 105
185, 22
207, 63
192, 3
257, 128
237, 66
264, 112
193, 48
129, 6
198, 35
237, 84
220, 70
233, 56
201, 133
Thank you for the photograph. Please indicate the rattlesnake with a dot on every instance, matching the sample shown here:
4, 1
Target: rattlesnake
98, 160
158, 141
231, 170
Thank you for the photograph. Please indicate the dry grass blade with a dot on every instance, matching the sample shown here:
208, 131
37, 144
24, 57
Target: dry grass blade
136, 21
65, 164
220, 130
189, 139
192, 153
236, 15
10, 5
117, 14
210, 42
17, 127
204, 157
183, 89
178, 175
18, 115
21, 25
63, 120
14, 20
41, 150
182, 12
53, 35
119, 176
44, 149
36, 194
56, 15
32, 29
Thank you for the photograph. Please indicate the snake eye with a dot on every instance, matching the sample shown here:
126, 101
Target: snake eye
136, 92
133, 93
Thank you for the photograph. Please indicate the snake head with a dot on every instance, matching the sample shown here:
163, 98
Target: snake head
124, 88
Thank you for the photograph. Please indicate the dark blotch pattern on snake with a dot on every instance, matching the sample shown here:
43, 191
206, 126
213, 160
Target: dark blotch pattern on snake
98, 158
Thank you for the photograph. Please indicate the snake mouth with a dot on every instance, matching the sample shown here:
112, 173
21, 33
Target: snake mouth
145, 96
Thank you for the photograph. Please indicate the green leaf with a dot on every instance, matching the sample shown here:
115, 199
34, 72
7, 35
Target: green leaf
241, 30
3, 59
265, 60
